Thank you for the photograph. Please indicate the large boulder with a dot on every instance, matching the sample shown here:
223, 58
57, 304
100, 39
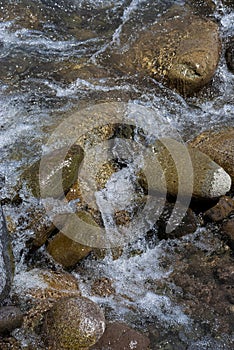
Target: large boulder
74, 323
6, 260
181, 50
219, 146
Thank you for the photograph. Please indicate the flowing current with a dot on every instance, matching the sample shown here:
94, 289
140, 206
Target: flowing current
42, 44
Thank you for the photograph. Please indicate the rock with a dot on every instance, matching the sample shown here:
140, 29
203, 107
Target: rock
229, 55
181, 49
6, 260
120, 336
221, 210
219, 146
227, 230
202, 7
74, 323
9, 343
10, 318
37, 290
209, 180
40, 224
187, 225
226, 274
66, 251
50, 172
103, 287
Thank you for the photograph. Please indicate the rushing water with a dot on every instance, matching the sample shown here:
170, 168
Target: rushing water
39, 89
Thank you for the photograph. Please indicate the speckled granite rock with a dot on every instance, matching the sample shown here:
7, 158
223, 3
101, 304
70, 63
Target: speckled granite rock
74, 323
219, 146
182, 50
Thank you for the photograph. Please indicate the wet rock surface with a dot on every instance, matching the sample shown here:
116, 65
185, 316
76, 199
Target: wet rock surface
65, 251
208, 178
166, 51
121, 336
10, 318
173, 289
219, 146
74, 323
6, 260
221, 210
45, 176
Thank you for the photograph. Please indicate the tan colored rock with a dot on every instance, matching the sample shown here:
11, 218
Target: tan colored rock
181, 49
38, 290
192, 170
66, 251
74, 323
219, 146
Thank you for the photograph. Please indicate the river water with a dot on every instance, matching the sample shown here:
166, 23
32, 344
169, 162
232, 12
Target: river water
42, 43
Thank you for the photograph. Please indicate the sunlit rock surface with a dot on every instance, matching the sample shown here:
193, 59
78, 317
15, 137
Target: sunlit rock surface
181, 50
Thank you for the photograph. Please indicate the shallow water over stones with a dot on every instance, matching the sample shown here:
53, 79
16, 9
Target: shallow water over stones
50, 68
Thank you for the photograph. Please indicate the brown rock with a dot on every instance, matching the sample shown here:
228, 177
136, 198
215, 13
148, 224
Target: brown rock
202, 7
9, 343
219, 146
181, 50
39, 290
187, 225
187, 167
103, 287
10, 318
48, 169
120, 336
74, 323
221, 210
66, 251
227, 231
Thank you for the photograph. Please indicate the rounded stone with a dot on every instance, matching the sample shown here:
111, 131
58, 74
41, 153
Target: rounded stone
10, 318
120, 336
74, 323
66, 251
219, 146
208, 179
182, 50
